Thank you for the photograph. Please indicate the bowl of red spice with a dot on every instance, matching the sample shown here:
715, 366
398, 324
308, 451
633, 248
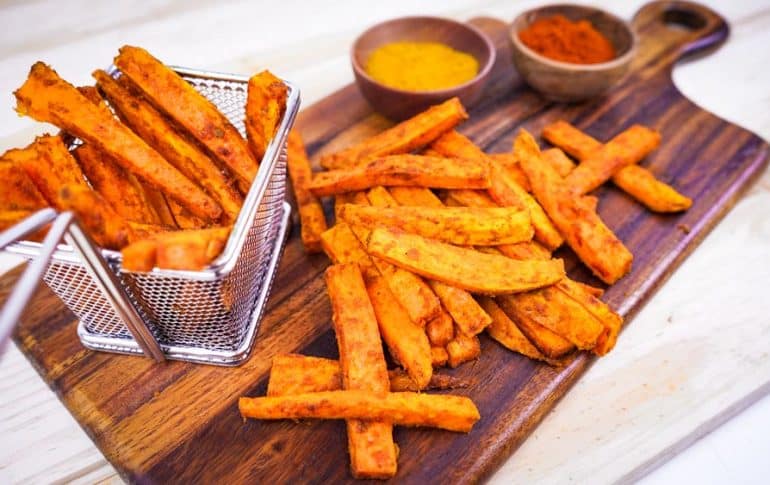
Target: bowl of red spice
571, 52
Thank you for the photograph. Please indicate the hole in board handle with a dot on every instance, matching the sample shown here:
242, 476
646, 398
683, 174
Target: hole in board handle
681, 19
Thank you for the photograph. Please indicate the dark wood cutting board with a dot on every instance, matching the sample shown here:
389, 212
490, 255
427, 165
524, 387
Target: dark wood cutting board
179, 422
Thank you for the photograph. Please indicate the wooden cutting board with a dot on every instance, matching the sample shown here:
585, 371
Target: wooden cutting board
178, 421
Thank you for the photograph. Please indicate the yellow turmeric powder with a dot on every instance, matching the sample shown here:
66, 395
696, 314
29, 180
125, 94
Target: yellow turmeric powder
421, 66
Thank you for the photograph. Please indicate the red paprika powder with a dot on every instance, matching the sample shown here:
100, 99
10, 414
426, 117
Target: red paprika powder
561, 39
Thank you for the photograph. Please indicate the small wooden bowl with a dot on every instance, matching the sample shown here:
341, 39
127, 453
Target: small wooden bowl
399, 104
564, 81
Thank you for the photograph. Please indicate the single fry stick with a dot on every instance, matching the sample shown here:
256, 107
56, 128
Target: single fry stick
265, 106
48, 165
463, 348
456, 225
453, 413
343, 247
461, 267
100, 221
593, 242
311, 214
372, 451
641, 184
403, 170
380, 197
180, 101
118, 187
511, 166
140, 256
161, 135
558, 160
559, 313
44, 96
636, 181
627, 148
506, 332
550, 344
19, 193
612, 321
440, 330
299, 374
439, 356
467, 314
404, 137
192, 249
342, 199
406, 341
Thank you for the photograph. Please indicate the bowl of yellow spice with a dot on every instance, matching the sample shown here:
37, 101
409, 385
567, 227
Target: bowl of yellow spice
403, 66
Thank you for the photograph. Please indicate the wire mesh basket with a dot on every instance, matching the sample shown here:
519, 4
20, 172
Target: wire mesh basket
208, 316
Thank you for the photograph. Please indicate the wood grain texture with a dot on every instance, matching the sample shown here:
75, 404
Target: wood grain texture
179, 421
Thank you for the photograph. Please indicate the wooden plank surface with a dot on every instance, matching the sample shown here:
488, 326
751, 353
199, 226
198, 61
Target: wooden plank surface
181, 407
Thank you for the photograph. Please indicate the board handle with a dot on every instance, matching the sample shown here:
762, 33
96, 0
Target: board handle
672, 30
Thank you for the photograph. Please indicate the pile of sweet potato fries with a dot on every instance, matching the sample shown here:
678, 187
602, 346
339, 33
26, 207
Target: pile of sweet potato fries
435, 242
163, 181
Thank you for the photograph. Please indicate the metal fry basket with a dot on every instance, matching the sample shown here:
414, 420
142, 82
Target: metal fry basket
208, 316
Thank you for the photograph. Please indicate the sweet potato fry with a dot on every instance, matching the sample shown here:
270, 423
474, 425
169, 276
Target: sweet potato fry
641, 184
462, 348
471, 198
372, 451
469, 317
140, 256
558, 160
559, 313
456, 225
311, 214
49, 165
593, 242
403, 170
179, 100
511, 166
405, 137
611, 321
191, 250
159, 203
107, 228
506, 332
417, 196
406, 341
550, 344
162, 136
461, 267
439, 356
180, 250
299, 374
453, 413
265, 106
46, 97
118, 187
508, 193
343, 247
625, 149
636, 181
342, 199
440, 330
19, 193
379, 197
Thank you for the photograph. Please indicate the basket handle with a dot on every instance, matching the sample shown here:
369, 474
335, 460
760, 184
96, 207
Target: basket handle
64, 226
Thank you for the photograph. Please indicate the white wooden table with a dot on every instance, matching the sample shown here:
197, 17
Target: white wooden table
698, 354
